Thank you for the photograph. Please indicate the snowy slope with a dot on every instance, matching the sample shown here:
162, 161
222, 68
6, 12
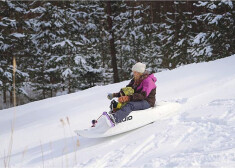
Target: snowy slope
202, 134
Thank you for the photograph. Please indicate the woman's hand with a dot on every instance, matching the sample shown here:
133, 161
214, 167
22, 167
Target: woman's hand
123, 99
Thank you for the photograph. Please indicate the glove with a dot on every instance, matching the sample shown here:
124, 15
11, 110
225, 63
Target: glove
110, 96
123, 99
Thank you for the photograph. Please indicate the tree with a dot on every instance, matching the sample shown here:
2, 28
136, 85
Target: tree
216, 37
111, 42
12, 45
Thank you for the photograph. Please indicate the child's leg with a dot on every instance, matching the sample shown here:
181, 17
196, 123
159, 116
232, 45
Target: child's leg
128, 108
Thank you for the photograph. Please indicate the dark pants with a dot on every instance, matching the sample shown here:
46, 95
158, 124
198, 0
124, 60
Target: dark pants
128, 108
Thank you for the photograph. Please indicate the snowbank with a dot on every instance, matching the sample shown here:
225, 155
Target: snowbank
201, 135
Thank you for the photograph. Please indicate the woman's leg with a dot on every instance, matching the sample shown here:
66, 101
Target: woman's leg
128, 108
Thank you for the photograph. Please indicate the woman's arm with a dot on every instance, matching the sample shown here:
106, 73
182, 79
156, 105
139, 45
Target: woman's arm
148, 86
119, 93
138, 96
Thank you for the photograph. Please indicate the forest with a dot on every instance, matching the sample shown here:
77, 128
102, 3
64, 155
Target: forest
62, 47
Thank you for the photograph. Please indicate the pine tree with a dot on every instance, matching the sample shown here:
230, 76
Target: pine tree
216, 39
184, 34
13, 42
85, 37
134, 34
67, 46
46, 26
168, 35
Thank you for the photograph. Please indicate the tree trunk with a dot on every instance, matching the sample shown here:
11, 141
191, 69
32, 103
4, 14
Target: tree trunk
133, 37
111, 41
44, 93
4, 94
11, 98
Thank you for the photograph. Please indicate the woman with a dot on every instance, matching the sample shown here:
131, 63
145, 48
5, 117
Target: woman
144, 96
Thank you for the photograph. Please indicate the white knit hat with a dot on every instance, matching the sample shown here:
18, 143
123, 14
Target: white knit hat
139, 67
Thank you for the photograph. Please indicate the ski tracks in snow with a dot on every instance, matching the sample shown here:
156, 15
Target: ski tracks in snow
138, 151
124, 156
202, 135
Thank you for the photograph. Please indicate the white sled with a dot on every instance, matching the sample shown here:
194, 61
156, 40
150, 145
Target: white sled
135, 119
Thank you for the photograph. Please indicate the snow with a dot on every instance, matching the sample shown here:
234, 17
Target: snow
201, 134
212, 6
2, 24
18, 35
38, 10
91, 26
227, 2
78, 59
208, 50
63, 43
201, 3
58, 24
7, 75
179, 43
199, 38
79, 43
67, 72
216, 19
85, 40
